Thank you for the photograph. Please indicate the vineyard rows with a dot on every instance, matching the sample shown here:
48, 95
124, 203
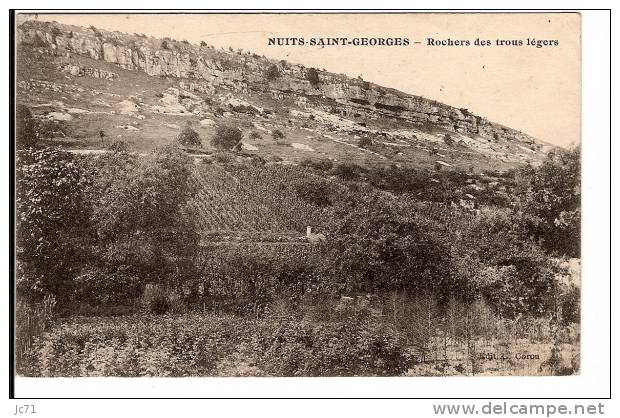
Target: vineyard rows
252, 199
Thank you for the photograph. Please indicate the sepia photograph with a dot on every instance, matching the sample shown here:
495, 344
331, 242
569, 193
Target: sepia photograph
297, 194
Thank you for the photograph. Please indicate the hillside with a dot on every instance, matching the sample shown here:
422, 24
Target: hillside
145, 90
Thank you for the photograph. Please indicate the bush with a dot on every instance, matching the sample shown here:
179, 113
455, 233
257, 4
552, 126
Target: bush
255, 135
316, 192
277, 135
347, 171
137, 346
188, 137
272, 72
48, 129
226, 137
320, 165
224, 157
365, 142
203, 345
292, 348
313, 77
101, 288
118, 147
155, 299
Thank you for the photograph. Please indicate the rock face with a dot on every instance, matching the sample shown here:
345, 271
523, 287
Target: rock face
80, 71
203, 69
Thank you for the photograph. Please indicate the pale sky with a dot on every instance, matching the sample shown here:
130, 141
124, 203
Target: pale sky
536, 90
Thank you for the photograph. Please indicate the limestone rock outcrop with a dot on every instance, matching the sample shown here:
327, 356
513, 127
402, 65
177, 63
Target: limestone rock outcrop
203, 69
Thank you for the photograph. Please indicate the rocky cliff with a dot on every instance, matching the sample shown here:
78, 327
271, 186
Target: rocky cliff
205, 69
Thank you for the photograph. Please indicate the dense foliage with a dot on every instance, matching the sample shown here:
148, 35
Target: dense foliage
53, 220
142, 233
312, 75
189, 137
550, 195
226, 137
201, 345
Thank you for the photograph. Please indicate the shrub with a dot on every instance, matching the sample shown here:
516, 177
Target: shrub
347, 171
226, 137
47, 129
155, 299
315, 192
101, 288
293, 348
365, 142
272, 72
189, 137
255, 135
320, 165
164, 44
313, 77
277, 135
520, 284
201, 345
118, 147
224, 157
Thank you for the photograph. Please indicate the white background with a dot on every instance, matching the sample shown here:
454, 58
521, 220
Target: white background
594, 378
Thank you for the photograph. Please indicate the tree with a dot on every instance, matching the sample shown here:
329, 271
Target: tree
550, 198
139, 212
375, 247
189, 137
226, 137
52, 215
313, 77
25, 133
